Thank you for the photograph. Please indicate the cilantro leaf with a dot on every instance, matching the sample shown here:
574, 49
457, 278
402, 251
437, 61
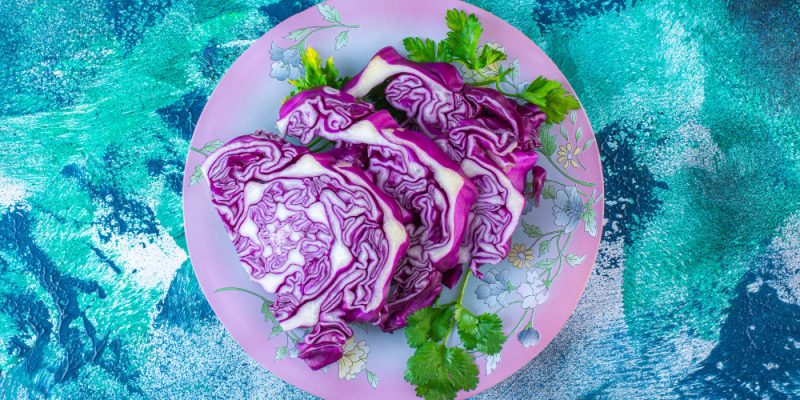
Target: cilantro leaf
418, 326
426, 365
428, 324
490, 334
462, 371
316, 73
431, 393
460, 45
467, 329
483, 333
440, 372
551, 97
440, 327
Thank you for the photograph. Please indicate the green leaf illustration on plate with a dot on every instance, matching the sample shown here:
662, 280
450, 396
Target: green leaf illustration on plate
546, 263
212, 146
197, 176
276, 330
267, 313
548, 192
297, 34
587, 144
589, 217
514, 74
372, 379
548, 144
281, 353
341, 39
532, 231
574, 259
544, 247
329, 13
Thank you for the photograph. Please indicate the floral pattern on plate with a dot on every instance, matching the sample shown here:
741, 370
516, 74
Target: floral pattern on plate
285, 62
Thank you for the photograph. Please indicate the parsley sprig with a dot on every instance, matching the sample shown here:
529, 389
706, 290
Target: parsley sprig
462, 46
440, 371
316, 73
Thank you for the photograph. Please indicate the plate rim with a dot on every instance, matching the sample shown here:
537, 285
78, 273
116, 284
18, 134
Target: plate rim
282, 373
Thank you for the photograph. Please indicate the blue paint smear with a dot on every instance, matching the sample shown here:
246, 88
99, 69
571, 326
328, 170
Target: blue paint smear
279, 11
130, 19
212, 63
756, 356
78, 339
551, 14
32, 320
127, 214
631, 189
184, 113
169, 168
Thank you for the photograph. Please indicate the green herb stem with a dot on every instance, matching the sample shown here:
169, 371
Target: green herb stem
314, 142
460, 298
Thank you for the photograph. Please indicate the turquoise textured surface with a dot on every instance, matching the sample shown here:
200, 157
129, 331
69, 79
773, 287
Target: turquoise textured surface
696, 292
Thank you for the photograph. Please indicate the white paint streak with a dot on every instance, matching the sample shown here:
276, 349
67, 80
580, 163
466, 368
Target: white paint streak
149, 261
690, 145
12, 191
787, 251
179, 364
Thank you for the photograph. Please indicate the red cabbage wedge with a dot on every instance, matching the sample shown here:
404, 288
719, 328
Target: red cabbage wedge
312, 230
492, 137
429, 93
412, 169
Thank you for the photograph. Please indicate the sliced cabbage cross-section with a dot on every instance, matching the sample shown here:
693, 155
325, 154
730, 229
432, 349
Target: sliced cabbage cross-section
313, 231
412, 169
429, 93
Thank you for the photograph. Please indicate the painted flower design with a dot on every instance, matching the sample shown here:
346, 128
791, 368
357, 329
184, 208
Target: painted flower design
285, 63
528, 336
492, 362
354, 359
520, 256
568, 208
496, 289
533, 290
568, 155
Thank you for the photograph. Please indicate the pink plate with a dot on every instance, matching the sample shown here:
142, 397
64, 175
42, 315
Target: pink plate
534, 291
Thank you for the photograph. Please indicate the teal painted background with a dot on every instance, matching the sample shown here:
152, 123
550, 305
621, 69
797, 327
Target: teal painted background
696, 292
